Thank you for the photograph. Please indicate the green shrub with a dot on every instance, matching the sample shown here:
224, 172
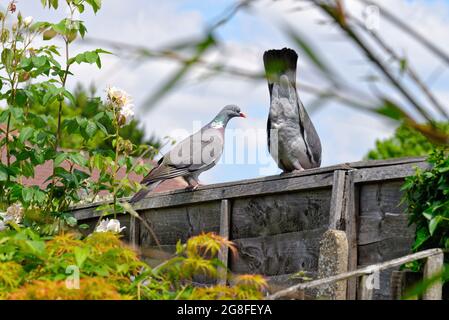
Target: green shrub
427, 196
33, 267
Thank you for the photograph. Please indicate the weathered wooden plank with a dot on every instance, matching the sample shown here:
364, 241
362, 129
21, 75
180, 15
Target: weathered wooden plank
134, 231
384, 250
382, 173
180, 223
278, 254
238, 191
351, 220
433, 268
281, 213
313, 178
391, 225
218, 191
401, 281
376, 199
387, 162
330, 169
225, 220
337, 200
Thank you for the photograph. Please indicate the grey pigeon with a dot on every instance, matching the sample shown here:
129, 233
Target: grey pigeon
292, 139
192, 156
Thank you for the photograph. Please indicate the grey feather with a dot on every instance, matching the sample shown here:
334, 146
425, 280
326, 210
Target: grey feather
297, 144
193, 155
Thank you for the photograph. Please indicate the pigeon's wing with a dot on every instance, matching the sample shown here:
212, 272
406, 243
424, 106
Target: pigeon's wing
311, 138
190, 155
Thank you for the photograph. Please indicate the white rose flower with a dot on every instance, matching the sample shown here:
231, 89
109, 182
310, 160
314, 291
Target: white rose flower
118, 96
127, 112
112, 225
3, 220
28, 21
14, 213
102, 227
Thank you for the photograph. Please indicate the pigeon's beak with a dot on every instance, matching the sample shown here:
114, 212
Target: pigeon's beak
242, 115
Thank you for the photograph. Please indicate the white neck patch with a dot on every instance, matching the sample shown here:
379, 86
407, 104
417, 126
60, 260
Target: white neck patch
217, 125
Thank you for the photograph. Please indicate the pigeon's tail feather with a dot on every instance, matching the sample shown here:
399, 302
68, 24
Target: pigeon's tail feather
280, 62
144, 191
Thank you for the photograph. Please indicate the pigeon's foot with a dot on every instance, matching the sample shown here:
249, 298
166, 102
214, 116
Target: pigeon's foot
192, 187
289, 172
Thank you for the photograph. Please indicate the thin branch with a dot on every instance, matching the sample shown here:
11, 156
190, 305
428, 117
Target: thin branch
410, 71
412, 32
344, 26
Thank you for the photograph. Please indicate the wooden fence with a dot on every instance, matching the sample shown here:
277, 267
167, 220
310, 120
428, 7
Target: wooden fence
277, 222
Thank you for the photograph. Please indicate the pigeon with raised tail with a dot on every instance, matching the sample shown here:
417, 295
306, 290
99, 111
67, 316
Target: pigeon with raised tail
292, 139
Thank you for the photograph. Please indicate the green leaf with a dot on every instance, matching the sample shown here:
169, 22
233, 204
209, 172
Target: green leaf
27, 194
60, 158
71, 221
422, 235
91, 56
37, 247
39, 61
95, 4
3, 173
39, 196
91, 129
433, 224
78, 159
81, 254
82, 29
391, 110
427, 215
70, 96
102, 127
25, 134
60, 27
49, 34
54, 3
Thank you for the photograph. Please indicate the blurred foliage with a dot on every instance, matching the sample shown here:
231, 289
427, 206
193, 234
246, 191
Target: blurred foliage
42, 122
87, 105
33, 267
405, 142
426, 196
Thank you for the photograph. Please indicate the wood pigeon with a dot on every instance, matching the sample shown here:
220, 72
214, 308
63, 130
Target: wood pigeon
192, 156
292, 139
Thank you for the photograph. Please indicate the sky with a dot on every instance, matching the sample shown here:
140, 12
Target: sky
346, 134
